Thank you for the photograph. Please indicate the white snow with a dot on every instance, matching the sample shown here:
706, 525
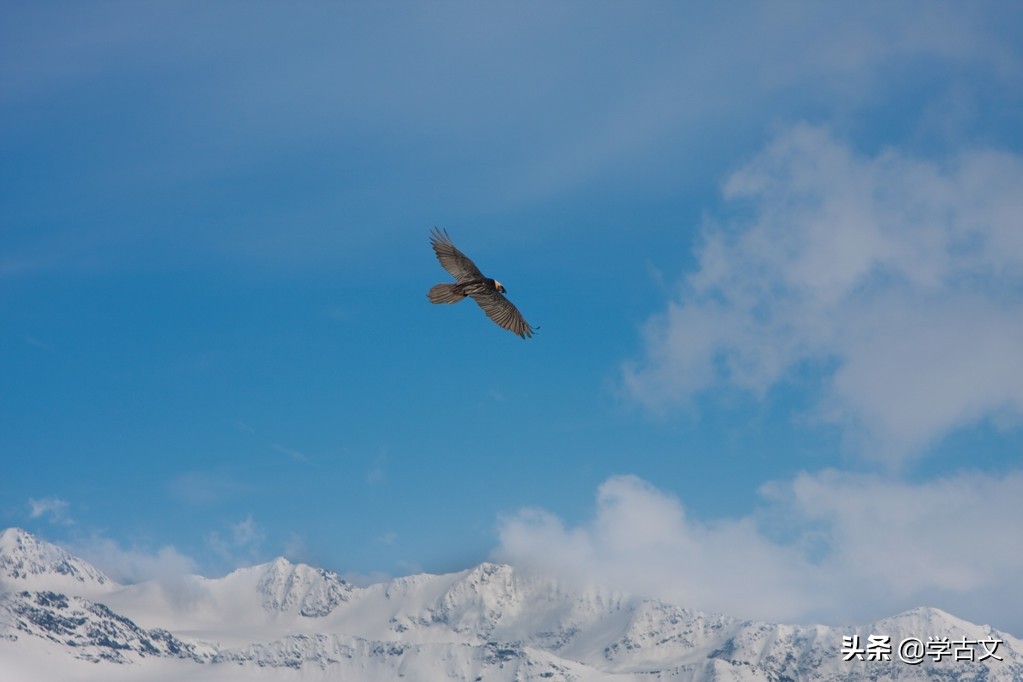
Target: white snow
283, 621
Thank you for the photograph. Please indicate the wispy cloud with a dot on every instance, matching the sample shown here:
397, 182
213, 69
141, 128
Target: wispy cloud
246, 533
53, 509
241, 543
827, 547
295, 547
133, 564
292, 453
900, 279
377, 474
36, 343
249, 120
388, 538
366, 579
244, 426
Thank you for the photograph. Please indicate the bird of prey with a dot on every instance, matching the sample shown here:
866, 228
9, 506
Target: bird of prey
469, 281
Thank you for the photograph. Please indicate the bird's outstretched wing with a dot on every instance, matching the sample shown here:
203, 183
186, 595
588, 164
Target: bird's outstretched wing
451, 259
503, 312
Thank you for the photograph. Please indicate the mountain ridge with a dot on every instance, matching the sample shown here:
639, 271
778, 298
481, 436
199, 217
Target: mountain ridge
491, 621
26, 561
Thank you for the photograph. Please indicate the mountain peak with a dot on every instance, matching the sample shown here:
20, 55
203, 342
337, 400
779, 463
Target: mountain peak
26, 562
313, 592
11, 538
490, 622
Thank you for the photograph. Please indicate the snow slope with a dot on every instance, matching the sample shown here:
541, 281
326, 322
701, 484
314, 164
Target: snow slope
26, 563
60, 618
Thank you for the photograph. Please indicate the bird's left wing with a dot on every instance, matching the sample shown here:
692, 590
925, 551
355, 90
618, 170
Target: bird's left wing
500, 310
451, 259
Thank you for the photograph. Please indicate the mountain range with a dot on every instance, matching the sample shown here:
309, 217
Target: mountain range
62, 618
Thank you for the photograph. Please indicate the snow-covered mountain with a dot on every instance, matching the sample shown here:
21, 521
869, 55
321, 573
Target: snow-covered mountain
26, 563
60, 618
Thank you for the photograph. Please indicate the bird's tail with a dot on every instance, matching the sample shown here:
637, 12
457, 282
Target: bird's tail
445, 293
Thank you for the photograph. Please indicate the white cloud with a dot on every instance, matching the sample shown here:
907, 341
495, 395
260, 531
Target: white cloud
246, 532
134, 564
242, 543
295, 548
903, 277
955, 535
53, 508
827, 547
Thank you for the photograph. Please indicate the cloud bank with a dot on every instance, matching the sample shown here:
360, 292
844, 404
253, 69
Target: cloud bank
129, 565
831, 547
240, 544
897, 281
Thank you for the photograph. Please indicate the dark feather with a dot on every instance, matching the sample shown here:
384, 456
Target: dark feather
451, 259
469, 281
445, 293
503, 312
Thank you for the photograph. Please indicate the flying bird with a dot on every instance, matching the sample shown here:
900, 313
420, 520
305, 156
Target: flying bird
469, 281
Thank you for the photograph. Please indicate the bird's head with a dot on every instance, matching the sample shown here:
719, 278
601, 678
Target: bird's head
500, 287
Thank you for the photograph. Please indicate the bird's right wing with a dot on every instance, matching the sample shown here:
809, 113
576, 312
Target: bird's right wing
451, 259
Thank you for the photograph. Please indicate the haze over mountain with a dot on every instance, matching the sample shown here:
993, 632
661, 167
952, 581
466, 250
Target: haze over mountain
59, 616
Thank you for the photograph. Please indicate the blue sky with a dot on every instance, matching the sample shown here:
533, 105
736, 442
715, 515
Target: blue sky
775, 252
